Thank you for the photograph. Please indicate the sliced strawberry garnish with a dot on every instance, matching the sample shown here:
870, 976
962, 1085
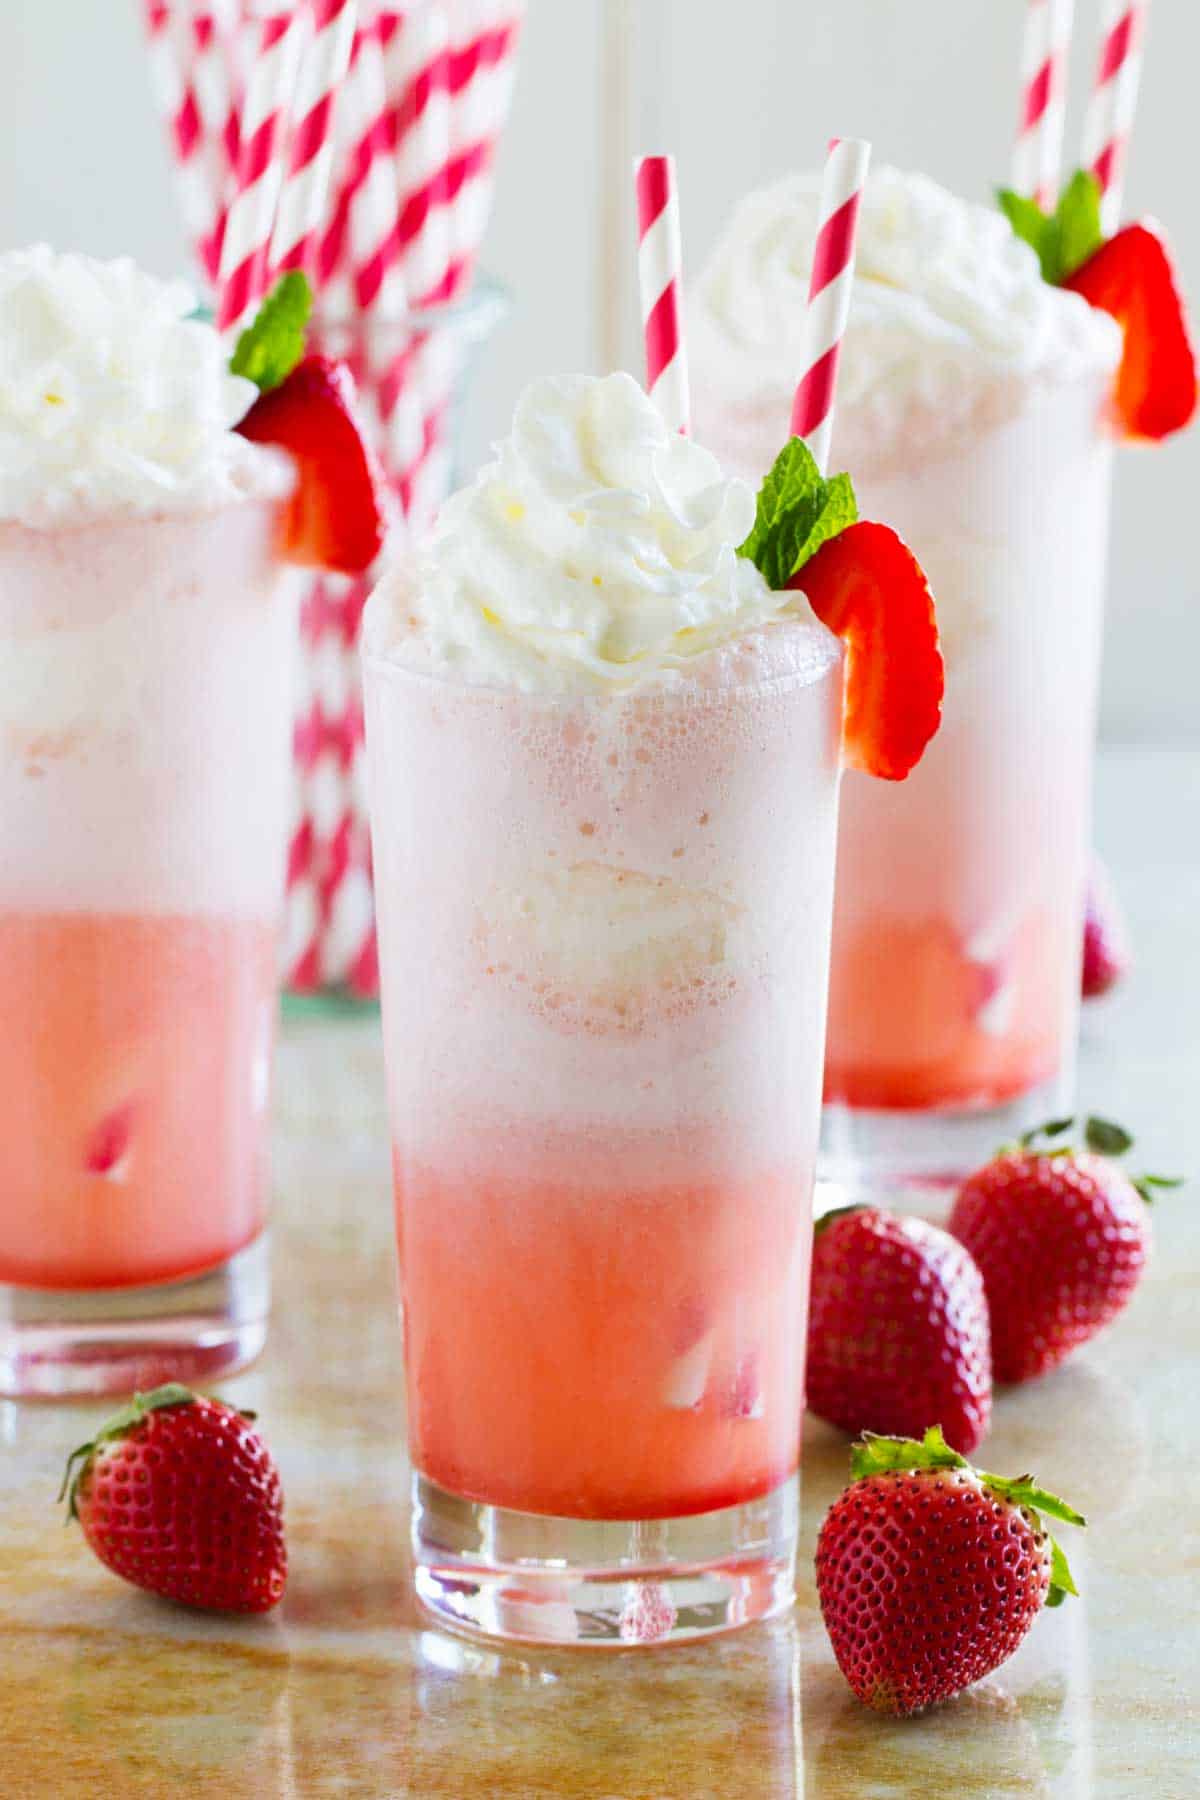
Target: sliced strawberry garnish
869, 588
337, 516
1133, 278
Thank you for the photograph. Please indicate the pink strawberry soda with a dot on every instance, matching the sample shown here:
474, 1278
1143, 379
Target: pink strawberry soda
971, 416
146, 643
142, 788
605, 763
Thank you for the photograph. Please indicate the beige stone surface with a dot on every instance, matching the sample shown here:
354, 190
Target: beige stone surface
105, 1692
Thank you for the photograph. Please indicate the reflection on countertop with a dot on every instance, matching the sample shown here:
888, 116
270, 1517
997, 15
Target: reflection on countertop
347, 1692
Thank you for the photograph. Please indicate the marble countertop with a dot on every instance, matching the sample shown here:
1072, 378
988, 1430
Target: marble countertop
104, 1691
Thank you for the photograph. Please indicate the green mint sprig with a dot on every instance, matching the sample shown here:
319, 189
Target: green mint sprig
798, 510
1065, 238
273, 343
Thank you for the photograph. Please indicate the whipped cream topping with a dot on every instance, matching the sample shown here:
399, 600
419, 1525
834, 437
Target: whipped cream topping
950, 323
596, 551
112, 400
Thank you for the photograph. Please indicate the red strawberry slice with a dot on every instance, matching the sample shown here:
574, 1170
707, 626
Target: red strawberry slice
1132, 277
337, 517
869, 588
108, 1146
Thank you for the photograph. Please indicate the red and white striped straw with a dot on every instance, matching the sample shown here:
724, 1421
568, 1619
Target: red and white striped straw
1037, 154
1110, 112
305, 192
176, 62
245, 250
417, 67
829, 290
660, 282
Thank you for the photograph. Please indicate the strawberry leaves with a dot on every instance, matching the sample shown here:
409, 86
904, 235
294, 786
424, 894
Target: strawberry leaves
1062, 1582
798, 510
1064, 239
873, 1455
273, 342
1103, 1138
172, 1393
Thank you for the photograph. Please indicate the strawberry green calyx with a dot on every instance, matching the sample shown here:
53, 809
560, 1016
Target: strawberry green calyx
1103, 1138
1065, 238
798, 510
837, 1212
273, 342
873, 1455
172, 1393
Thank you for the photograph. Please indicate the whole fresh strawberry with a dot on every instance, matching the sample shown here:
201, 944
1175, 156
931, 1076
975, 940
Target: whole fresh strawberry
897, 1329
179, 1495
1106, 954
930, 1572
1061, 1237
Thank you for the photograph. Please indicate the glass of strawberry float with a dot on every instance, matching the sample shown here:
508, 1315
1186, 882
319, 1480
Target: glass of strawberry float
146, 631
982, 384
605, 750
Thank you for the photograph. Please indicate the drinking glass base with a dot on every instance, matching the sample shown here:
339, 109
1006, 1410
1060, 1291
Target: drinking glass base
609, 1584
61, 1344
924, 1156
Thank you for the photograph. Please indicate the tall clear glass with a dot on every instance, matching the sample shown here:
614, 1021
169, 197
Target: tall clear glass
955, 986
604, 947
143, 790
958, 908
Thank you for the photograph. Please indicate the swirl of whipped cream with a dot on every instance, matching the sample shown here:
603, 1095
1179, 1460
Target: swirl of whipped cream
950, 323
112, 400
596, 550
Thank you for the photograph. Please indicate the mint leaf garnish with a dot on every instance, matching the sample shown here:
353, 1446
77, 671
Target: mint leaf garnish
1077, 221
273, 343
1064, 239
798, 510
1030, 224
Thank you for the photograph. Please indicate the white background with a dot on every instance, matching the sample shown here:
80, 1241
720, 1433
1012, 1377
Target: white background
740, 90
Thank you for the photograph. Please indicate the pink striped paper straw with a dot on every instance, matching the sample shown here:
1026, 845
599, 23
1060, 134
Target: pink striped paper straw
1109, 120
246, 246
417, 69
830, 287
484, 35
176, 77
1037, 154
216, 28
660, 283
305, 191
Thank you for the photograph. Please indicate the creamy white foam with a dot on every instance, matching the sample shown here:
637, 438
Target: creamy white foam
595, 553
950, 325
114, 401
